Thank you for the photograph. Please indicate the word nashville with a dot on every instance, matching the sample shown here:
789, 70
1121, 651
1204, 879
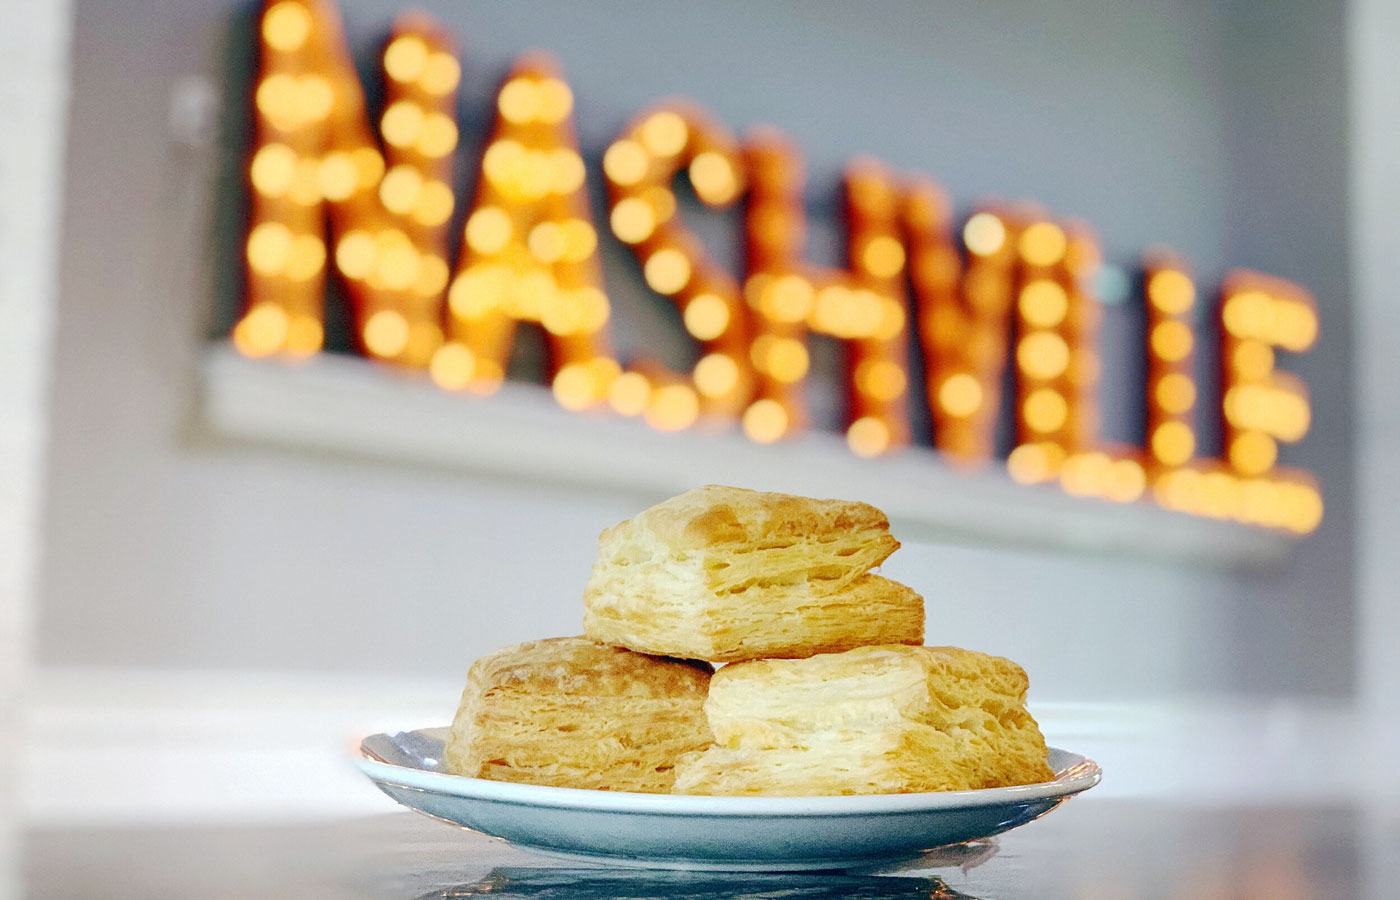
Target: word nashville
1018, 291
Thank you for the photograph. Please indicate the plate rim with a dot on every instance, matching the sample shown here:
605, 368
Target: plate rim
1082, 774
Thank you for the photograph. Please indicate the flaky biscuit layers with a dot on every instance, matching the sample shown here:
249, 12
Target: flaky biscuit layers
727, 574
570, 712
887, 719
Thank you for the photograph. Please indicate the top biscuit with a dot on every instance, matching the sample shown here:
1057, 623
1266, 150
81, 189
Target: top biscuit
727, 574
716, 516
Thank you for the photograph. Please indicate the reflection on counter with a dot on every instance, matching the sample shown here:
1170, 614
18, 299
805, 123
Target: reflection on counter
642, 884
1090, 850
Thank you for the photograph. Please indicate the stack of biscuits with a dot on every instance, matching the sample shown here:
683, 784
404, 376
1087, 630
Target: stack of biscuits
826, 687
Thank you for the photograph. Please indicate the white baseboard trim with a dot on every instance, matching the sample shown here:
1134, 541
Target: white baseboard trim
119, 746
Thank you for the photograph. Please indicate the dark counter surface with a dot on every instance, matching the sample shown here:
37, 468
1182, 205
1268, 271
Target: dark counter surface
1089, 849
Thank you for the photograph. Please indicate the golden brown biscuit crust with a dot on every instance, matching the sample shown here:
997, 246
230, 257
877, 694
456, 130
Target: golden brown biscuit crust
786, 622
716, 515
727, 574
577, 666
870, 720
570, 712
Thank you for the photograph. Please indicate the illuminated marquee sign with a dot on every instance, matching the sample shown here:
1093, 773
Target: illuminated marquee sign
1009, 287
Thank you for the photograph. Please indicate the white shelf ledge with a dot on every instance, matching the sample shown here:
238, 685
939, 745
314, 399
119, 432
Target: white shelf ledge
347, 405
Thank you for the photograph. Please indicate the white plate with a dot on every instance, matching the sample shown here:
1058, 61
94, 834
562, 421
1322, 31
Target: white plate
735, 833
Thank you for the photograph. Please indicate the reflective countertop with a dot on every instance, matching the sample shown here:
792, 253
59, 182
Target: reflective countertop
1087, 850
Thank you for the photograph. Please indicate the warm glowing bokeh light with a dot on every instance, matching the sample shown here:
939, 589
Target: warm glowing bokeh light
765, 421
1286, 322
488, 230
665, 133
286, 26
667, 271
398, 191
355, 254
1274, 409
432, 276
1175, 393
625, 162
337, 176
790, 299
518, 100
868, 437
1253, 453
546, 242
1044, 303
1035, 463
1171, 340
306, 259
1045, 410
716, 374
272, 170
706, 316
433, 205
713, 178
1043, 244
1171, 291
401, 123
883, 379
1043, 355
556, 101
672, 407
984, 234
785, 359
437, 136
441, 74
386, 333
1173, 443
662, 202
629, 394
1087, 474
269, 248
305, 335
960, 395
574, 386
1252, 360
883, 257
633, 220
452, 366
262, 330
1126, 482
405, 58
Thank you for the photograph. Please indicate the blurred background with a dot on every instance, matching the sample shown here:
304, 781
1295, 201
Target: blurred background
217, 565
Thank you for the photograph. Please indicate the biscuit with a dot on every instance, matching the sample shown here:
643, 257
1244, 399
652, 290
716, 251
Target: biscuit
887, 719
570, 712
727, 574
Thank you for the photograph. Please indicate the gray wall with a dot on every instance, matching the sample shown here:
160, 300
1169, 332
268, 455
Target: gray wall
161, 551
1287, 215
1374, 70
